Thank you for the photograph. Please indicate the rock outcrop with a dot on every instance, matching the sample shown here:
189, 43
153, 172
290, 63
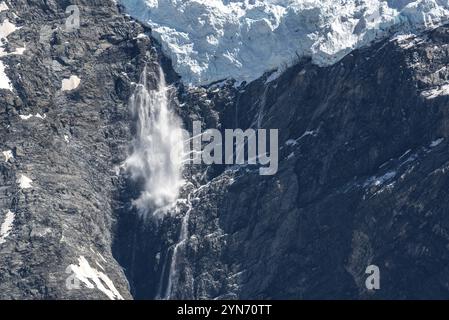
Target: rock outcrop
362, 179
65, 128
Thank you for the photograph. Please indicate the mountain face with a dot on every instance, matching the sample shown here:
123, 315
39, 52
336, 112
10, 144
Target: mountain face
362, 178
59, 180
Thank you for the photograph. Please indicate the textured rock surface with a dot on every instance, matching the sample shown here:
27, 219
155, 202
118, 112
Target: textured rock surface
69, 151
363, 180
363, 177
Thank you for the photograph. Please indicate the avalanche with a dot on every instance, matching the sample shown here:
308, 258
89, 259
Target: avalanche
211, 40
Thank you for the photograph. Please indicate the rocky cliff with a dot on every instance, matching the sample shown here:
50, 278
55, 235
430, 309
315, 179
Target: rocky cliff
64, 126
362, 179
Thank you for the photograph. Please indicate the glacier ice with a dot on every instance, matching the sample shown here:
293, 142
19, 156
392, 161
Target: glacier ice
212, 40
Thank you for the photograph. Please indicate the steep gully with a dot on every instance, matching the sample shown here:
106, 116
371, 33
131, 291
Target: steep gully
155, 166
157, 159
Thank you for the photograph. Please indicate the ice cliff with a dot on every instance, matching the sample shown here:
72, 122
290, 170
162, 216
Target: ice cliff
210, 40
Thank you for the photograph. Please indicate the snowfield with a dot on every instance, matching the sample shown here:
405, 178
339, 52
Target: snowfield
211, 40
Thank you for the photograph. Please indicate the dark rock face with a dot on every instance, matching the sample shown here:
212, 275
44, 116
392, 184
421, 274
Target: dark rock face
70, 153
362, 179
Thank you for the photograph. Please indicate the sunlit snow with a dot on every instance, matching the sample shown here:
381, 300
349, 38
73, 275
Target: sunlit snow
29, 116
6, 226
8, 155
70, 83
93, 278
6, 28
24, 182
436, 92
211, 40
5, 83
436, 142
3, 6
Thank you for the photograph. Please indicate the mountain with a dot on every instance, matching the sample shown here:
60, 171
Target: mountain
362, 176
362, 180
58, 181
210, 41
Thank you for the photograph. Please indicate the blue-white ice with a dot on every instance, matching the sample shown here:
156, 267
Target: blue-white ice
210, 40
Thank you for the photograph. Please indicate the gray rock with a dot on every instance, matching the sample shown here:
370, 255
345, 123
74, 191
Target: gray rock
362, 179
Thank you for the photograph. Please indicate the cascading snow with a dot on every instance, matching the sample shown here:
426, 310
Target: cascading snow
157, 147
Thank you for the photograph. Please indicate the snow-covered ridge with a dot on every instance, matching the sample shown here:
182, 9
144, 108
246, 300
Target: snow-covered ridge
210, 40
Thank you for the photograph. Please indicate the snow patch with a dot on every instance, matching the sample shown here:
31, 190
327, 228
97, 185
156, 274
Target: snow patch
6, 28
3, 6
377, 181
29, 116
436, 92
403, 38
5, 83
291, 142
93, 278
24, 182
8, 155
436, 142
70, 83
212, 40
25, 117
19, 51
102, 258
101, 267
6, 226
141, 35
294, 142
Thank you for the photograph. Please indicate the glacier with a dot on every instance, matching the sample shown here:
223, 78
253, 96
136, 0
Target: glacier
214, 40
